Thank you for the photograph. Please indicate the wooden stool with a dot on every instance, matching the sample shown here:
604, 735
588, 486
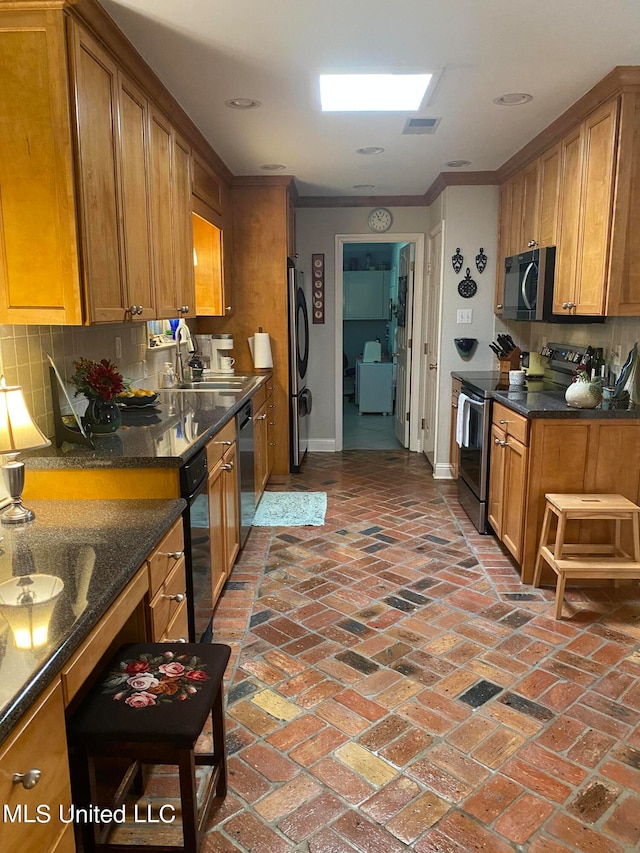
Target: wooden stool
587, 561
150, 707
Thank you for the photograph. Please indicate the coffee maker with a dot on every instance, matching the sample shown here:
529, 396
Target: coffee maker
214, 348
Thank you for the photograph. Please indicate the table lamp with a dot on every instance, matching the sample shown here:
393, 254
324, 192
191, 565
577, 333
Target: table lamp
18, 432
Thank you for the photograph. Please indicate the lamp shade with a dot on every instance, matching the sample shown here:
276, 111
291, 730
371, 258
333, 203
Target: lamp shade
27, 604
17, 429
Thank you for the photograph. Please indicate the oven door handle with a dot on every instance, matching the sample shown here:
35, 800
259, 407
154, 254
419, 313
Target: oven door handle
523, 287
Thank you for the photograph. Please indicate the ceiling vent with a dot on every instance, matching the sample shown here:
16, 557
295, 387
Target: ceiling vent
421, 125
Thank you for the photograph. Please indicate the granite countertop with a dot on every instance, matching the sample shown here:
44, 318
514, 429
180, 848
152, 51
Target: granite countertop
535, 401
94, 548
166, 434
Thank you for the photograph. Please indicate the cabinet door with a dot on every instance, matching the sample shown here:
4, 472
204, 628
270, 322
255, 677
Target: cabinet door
261, 450
517, 211
549, 196
182, 234
530, 200
231, 507
96, 99
571, 149
496, 479
366, 295
454, 448
504, 243
600, 135
39, 267
160, 148
208, 261
136, 215
216, 486
515, 457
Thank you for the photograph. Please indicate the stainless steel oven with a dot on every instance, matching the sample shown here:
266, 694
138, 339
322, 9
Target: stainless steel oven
473, 473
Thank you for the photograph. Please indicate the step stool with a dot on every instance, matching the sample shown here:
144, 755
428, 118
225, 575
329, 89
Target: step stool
586, 560
149, 706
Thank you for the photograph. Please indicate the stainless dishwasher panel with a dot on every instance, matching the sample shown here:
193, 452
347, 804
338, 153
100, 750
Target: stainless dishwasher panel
246, 455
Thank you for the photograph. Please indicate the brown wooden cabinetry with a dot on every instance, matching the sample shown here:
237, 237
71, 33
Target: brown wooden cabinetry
37, 745
454, 449
224, 518
508, 477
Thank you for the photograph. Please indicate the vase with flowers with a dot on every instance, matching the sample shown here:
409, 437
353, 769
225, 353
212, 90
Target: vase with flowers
99, 382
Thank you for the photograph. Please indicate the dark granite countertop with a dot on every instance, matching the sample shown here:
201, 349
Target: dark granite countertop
94, 548
537, 400
164, 435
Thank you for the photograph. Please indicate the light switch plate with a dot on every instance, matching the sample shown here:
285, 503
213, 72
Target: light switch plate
465, 315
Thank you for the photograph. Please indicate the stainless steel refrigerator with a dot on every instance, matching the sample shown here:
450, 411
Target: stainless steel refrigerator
300, 401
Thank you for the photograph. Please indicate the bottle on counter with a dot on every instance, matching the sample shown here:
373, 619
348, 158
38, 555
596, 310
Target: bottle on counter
169, 379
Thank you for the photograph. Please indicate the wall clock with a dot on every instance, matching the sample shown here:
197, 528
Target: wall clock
380, 219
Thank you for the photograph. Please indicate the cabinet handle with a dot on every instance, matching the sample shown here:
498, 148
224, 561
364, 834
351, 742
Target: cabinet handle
28, 780
569, 305
503, 422
175, 555
228, 466
179, 596
262, 417
499, 442
177, 640
433, 366
228, 309
226, 443
532, 244
272, 405
454, 405
499, 306
272, 423
183, 310
271, 387
272, 444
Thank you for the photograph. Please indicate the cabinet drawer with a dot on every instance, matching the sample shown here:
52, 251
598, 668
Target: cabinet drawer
260, 397
165, 557
167, 600
39, 743
223, 439
178, 628
511, 422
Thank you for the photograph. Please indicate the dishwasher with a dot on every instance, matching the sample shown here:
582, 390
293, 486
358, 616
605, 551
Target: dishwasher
246, 462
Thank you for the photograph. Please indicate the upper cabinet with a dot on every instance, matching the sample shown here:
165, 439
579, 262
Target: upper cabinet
366, 295
96, 202
582, 194
211, 244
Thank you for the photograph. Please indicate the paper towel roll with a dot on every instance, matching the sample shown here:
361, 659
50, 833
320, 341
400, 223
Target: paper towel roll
260, 347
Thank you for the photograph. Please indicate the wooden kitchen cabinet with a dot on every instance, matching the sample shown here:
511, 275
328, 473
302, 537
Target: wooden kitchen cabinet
96, 205
272, 427
38, 742
211, 292
454, 448
508, 477
224, 506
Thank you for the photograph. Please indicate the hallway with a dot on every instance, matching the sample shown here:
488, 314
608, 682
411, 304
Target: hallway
394, 687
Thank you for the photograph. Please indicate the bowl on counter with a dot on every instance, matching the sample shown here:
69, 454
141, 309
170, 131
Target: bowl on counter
137, 399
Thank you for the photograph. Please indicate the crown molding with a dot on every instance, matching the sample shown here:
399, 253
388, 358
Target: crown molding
361, 201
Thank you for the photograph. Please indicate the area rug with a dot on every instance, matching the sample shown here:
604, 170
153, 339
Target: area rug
291, 509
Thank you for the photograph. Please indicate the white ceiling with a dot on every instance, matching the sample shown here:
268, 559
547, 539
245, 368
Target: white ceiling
209, 51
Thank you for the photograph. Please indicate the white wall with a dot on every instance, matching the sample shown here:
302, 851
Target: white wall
470, 217
316, 229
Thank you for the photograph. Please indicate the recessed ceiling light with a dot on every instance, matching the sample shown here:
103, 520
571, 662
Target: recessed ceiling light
513, 99
372, 92
273, 167
364, 186
372, 149
457, 164
242, 103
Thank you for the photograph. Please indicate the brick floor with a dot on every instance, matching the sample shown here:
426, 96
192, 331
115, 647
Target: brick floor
391, 690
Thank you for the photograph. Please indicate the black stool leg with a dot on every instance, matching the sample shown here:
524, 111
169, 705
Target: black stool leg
189, 798
219, 746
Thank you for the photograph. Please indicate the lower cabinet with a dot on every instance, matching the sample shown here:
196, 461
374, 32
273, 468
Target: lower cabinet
32, 805
454, 449
224, 507
264, 424
507, 489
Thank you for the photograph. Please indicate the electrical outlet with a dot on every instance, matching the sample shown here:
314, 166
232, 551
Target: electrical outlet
118, 343
465, 315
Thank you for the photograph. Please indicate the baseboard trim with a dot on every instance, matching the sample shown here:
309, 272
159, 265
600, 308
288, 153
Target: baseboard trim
322, 445
442, 471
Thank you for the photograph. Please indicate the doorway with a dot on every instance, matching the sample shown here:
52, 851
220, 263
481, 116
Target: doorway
376, 298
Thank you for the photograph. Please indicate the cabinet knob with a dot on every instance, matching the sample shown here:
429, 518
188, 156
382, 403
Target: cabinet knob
228, 466
179, 596
272, 405
140, 309
132, 309
503, 422
271, 387
175, 555
272, 444
499, 306
28, 780
177, 640
228, 309
183, 310
272, 423
499, 442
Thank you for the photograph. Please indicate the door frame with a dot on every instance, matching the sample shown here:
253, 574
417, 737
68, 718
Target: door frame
437, 321
416, 342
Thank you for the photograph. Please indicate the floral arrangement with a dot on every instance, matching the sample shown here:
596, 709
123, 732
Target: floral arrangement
97, 378
151, 680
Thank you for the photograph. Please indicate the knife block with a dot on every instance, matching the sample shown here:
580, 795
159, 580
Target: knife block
510, 362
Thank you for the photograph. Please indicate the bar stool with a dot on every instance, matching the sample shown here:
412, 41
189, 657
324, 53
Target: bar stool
569, 560
150, 706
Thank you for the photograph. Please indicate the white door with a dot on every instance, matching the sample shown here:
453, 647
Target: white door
431, 344
402, 346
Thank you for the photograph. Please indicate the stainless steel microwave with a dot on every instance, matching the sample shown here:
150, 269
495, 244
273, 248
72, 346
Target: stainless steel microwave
528, 289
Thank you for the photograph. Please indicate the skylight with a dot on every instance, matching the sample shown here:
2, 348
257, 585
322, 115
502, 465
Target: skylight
372, 92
